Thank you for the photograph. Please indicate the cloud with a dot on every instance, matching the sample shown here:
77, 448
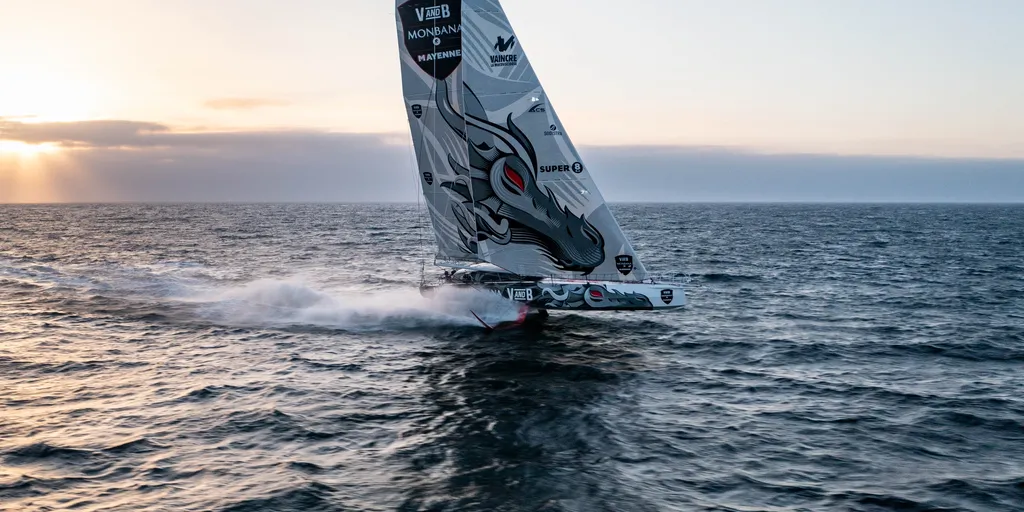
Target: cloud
138, 161
243, 103
80, 133
253, 167
136, 134
665, 173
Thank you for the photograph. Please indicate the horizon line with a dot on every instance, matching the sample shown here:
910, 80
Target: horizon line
710, 202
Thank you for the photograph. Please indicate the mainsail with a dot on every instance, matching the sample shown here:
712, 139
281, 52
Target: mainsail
502, 181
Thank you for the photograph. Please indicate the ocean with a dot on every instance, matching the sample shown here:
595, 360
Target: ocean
236, 357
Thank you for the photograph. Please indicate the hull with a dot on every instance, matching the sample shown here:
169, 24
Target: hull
574, 295
577, 295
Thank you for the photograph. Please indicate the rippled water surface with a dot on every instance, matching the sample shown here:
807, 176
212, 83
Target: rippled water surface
279, 357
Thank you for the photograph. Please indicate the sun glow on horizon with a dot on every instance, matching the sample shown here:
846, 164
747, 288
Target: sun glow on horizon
27, 150
36, 173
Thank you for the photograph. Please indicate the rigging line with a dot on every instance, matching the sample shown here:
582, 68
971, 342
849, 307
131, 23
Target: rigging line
418, 191
420, 198
465, 128
433, 132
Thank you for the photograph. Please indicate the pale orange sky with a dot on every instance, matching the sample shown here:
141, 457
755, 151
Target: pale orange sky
914, 77
144, 99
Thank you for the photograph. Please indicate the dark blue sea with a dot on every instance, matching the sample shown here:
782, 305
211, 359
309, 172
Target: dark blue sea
279, 358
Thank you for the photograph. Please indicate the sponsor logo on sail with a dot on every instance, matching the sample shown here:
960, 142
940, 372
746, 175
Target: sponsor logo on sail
624, 264
430, 57
540, 107
502, 46
562, 168
666, 296
433, 35
434, 32
417, 111
428, 177
433, 13
553, 130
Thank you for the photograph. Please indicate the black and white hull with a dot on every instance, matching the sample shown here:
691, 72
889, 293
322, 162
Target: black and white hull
572, 294
592, 295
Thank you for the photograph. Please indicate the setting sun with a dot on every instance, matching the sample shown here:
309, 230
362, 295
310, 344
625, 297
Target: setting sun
31, 173
24, 149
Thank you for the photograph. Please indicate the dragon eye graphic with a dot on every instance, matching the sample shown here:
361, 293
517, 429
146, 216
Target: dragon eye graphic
515, 178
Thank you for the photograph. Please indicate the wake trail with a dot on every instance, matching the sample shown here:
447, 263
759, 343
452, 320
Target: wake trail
191, 291
288, 303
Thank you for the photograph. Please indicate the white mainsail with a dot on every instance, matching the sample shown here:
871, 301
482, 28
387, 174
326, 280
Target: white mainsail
503, 182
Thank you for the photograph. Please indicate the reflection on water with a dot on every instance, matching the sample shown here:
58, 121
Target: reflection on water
520, 419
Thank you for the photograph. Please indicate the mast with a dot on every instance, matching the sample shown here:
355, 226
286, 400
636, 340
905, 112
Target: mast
462, 101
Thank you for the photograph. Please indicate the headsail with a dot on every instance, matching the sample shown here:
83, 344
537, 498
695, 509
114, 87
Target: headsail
504, 182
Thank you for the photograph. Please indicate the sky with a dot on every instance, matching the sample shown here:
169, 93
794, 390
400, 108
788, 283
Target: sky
667, 100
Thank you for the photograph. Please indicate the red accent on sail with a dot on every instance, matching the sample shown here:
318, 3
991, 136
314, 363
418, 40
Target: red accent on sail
515, 177
596, 294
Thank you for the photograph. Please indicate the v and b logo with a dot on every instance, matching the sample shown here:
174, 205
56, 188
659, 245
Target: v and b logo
433, 13
624, 263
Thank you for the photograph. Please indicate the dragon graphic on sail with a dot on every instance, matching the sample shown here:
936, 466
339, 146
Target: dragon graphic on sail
499, 197
503, 182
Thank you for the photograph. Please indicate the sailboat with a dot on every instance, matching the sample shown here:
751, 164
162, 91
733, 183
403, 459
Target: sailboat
514, 208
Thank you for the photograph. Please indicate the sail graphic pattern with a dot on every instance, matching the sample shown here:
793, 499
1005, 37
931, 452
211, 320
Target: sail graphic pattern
525, 200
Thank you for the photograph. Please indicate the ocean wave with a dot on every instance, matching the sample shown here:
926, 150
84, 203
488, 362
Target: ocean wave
833, 358
43, 450
719, 277
309, 497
